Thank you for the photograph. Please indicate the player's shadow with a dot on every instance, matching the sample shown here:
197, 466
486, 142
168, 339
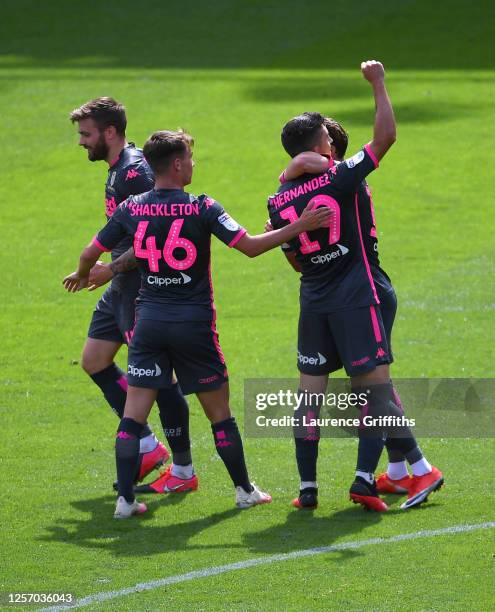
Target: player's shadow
304, 530
240, 34
134, 537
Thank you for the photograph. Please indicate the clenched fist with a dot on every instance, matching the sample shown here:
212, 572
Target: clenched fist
373, 71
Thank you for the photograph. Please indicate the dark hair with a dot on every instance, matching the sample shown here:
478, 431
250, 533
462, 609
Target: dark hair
161, 147
104, 112
302, 133
338, 135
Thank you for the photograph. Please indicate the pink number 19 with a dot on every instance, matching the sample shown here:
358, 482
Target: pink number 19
310, 246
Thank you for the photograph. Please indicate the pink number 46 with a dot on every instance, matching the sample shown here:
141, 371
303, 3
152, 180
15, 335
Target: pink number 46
173, 242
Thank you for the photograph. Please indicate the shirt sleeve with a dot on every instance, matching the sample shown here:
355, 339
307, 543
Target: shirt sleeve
221, 224
133, 180
113, 232
351, 172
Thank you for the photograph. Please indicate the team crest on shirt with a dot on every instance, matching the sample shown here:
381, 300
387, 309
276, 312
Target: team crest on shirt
227, 221
355, 160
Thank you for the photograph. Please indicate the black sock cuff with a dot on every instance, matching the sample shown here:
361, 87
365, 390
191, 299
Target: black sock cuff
130, 426
394, 454
112, 372
414, 454
228, 425
182, 458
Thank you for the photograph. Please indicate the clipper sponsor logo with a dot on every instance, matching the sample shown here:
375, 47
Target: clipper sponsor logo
355, 160
229, 223
305, 360
164, 281
322, 259
139, 372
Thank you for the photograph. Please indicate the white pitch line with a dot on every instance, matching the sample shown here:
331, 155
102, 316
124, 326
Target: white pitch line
240, 565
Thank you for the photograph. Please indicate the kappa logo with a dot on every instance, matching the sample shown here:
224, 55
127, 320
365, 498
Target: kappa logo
227, 221
138, 372
380, 353
305, 360
164, 281
131, 174
322, 259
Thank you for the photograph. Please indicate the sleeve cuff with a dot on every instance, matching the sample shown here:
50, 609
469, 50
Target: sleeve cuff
98, 244
237, 237
374, 158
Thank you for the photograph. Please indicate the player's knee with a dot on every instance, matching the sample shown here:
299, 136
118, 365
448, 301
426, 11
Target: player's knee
93, 362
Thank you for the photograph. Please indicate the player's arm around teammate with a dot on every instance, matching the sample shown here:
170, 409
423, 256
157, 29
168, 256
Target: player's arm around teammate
173, 171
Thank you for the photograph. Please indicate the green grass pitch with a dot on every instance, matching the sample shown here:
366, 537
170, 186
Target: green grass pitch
232, 73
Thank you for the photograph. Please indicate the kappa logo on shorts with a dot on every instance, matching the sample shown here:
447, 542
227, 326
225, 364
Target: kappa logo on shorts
380, 353
321, 259
138, 372
163, 281
305, 360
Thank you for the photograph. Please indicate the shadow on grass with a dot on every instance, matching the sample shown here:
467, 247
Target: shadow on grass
134, 537
137, 537
332, 104
406, 34
303, 529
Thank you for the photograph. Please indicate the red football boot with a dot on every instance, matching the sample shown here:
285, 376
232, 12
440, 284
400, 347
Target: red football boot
168, 483
152, 460
364, 493
385, 484
421, 487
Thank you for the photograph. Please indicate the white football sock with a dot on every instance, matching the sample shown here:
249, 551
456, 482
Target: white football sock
148, 444
367, 476
308, 484
421, 467
397, 470
182, 471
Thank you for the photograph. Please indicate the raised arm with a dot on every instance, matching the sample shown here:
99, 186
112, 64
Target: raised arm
384, 133
252, 246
